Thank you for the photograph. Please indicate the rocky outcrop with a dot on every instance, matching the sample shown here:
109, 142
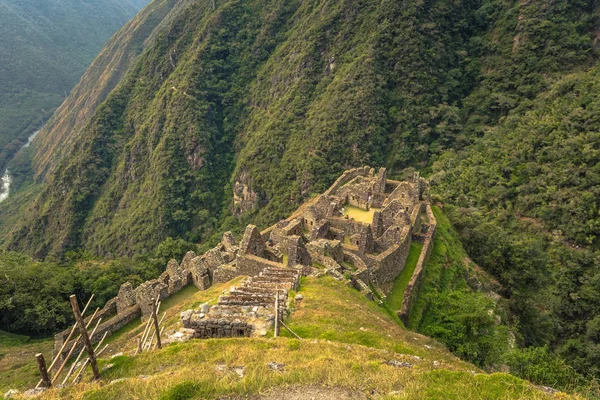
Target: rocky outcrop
244, 198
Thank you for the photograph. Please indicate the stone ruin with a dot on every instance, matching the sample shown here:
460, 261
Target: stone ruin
247, 310
322, 234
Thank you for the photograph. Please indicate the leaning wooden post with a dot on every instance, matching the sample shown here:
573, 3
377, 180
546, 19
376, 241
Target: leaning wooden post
59, 354
84, 335
156, 327
276, 312
43, 371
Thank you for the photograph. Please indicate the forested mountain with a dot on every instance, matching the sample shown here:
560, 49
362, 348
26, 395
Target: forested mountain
202, 118
45, 46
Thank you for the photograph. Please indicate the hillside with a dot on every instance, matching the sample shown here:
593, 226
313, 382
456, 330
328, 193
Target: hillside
335, 358
45, 46
221, 92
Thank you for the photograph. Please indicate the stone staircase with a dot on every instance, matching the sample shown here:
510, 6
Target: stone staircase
247, 310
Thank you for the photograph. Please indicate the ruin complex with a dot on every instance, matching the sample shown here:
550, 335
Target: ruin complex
359, 230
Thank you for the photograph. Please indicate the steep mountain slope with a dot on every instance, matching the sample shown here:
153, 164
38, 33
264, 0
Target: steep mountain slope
238, 92
107, 70
45, 46
527, 197
526, 192
276, 105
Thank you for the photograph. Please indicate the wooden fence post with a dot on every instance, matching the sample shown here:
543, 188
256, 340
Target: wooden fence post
276, 312
156, 327
43, 371
84, 335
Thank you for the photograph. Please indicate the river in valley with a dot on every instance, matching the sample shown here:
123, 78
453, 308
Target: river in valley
6, 180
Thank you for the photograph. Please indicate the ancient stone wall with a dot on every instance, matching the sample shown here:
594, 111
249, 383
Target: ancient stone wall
412, 289
346, 177
321, 248
251, 265
130, 303
406, 193
225, 273
110, 326
388, 265
319, 229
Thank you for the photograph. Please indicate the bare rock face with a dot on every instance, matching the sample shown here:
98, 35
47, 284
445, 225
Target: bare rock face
196, 158
244, 198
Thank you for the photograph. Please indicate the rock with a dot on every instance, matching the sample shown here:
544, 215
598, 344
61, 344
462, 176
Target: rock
277, 367
299, 297
436, 363
117, 354
548, 389
186, 315
362, 329
204, 308
11, 394
398, 364
240, 371
107, 366
221, 367
33, 392
116, 381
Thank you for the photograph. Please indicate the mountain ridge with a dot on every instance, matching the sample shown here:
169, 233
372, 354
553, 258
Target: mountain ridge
46, 46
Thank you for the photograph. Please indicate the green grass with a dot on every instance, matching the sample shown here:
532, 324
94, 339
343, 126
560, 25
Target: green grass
10, 339
360, 215
18, 369
348, 265
394, 298
445, 268
348, 341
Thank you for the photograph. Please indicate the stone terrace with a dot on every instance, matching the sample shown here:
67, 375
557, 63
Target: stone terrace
248, 310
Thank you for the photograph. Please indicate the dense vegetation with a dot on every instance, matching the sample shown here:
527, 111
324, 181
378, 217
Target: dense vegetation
494, 100
34, 295
277, 95
45, 46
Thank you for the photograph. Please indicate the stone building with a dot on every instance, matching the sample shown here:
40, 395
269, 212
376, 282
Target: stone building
360, 228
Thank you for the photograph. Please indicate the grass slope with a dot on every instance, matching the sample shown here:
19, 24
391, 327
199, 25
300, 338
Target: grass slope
394, 299
17, 360
347, 340
472, 323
